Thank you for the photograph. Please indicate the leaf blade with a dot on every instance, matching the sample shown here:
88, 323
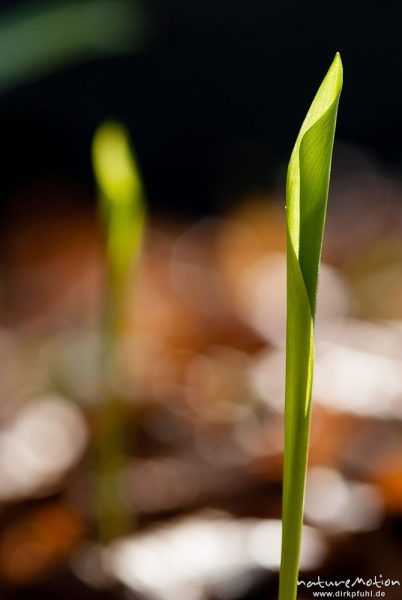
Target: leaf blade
307, 193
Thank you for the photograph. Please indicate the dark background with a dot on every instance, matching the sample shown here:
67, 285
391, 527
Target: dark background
215, 99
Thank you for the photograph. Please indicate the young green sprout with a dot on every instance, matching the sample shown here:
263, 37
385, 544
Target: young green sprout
306, 205
122, 208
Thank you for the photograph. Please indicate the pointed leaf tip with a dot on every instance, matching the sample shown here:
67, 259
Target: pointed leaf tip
308, 177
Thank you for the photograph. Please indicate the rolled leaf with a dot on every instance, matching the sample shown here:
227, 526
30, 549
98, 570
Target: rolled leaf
306, 206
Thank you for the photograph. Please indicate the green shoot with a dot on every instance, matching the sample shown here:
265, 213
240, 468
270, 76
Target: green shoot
122, 208
306, 205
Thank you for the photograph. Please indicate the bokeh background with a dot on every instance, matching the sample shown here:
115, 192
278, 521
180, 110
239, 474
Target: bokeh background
213, 95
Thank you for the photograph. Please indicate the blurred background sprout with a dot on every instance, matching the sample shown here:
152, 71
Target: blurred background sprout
38, 39
121, 201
